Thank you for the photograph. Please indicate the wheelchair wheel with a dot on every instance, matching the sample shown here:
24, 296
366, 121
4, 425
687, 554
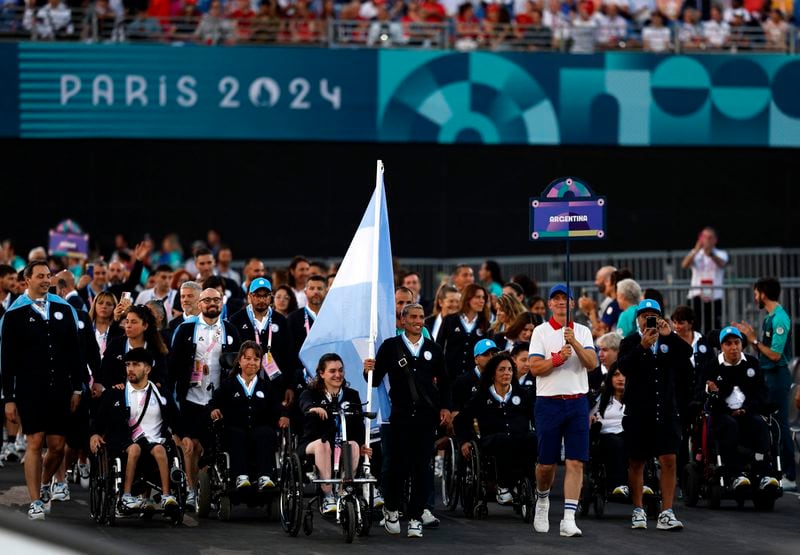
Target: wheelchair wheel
599, 504
587, 494
472, 482
308, 524
527, 500
111, 496
203, 494
348, 519
225, 508
98, 487
365, 507
691, 485
450, 476
291, 501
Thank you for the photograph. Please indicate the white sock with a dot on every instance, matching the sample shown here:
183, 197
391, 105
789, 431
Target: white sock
570, 506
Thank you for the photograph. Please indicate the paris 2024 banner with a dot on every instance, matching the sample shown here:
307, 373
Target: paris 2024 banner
56, 90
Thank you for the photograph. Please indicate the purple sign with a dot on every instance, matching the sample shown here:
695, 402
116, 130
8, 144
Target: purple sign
70, 244
567, 209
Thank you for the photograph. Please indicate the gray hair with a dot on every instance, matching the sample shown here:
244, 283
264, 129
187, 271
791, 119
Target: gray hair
158, 306
609, 341
409, 307
192, 285
630, 290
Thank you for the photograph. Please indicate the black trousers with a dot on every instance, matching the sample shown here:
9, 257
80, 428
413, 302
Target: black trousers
748, 430
259, 443
708, 314
411, 441
612, 453
515, 456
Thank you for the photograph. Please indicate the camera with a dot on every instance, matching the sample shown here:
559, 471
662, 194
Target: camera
651, 322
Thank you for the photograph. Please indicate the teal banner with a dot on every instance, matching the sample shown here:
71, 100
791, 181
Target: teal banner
56, 90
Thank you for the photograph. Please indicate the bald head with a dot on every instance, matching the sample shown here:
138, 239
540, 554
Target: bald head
210, 303
65, 282
603, 280
116, 272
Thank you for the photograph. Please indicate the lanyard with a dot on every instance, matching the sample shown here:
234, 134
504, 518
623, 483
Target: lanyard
215, 339
268, 325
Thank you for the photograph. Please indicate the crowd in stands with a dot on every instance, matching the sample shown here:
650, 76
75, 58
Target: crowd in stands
578, 26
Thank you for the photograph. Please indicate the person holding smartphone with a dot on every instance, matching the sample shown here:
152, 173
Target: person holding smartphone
650, 360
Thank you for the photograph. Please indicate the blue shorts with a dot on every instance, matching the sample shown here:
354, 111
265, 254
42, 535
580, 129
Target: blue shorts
562, 419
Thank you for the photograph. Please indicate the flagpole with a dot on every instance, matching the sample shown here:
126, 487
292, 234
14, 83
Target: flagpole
373, 304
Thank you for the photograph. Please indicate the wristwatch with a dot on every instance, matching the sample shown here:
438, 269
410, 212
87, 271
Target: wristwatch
755, 343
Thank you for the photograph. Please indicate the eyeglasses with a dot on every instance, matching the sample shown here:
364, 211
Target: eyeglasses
261, 295
215, 300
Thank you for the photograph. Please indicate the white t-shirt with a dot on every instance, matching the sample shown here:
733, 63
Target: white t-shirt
657, 38
152, 421
150, 294
570, 378
612, 420
706, 272
210, 340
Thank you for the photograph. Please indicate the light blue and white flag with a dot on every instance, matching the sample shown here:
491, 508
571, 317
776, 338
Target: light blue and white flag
359, 312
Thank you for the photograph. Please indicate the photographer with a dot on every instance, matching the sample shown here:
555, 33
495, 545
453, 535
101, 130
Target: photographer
649, 361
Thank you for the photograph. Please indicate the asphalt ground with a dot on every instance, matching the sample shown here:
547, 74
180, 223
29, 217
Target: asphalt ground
727, 530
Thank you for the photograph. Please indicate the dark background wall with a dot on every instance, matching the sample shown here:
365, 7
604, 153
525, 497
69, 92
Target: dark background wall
278, 199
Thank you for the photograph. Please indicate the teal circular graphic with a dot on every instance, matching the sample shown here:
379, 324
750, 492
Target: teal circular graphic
785, 87
740, 89
680, 86
567, 188
469, 98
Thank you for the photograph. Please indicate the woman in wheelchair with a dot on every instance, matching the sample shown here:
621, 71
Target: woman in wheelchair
504, 414
326, 391
738, 403
606, 428
251, 411
136, 418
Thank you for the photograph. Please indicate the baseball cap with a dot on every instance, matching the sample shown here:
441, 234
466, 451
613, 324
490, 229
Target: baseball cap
648, 304
259, 283
139, 354
483, 346
730, 330
560, 288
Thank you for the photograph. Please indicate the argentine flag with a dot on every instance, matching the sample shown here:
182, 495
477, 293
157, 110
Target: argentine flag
358, 313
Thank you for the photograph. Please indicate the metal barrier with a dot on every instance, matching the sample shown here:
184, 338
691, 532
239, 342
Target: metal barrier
99, 24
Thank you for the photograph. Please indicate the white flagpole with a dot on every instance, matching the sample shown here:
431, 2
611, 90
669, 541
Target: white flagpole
373, 305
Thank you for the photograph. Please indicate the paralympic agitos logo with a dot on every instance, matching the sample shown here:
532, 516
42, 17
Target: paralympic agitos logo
184, 91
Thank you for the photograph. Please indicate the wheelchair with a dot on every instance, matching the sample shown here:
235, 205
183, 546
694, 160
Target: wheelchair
301, 494
595, 490
451, 469
704, 474
216, 487
476, 476
107, 476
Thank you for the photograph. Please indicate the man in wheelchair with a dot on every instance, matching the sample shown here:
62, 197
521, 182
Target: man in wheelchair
503, 412
737, 401
136, 419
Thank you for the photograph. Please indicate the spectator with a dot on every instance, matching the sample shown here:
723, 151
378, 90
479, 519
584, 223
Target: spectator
656, 37
432, 11
689, 33
736, 8
603, 281
383, 31
612, 29
776, 30
716, 31
640, 10
491, 277
214, 28
267, 22
629, 293
304, 25
52, 20
467, 28
244, 17
37, 253
495, 27
557, 21
707, 264
583, 30
668, 9
530, 30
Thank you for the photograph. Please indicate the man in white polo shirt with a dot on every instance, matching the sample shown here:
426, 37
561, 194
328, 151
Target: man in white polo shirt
561, 353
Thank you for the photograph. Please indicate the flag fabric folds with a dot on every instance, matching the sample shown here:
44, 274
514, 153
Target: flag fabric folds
343, 323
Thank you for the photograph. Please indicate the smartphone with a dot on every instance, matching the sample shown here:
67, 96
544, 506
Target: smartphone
651, 322
90, 270
126, 296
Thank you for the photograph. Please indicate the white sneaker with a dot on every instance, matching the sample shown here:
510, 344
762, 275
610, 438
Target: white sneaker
639, 519
83, 474
191, 500
647, 490
130, 502
168, 501
265, 482
328, 505
541, 518
667, 521
242, 481
45, 498
621, 491
740, 482
21, 444
36, 510
9, 453
569, 529
438, 466
504, 496
60, 492
428, 520
788, 485
377, 499
391, 521
414, 528
769, 482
